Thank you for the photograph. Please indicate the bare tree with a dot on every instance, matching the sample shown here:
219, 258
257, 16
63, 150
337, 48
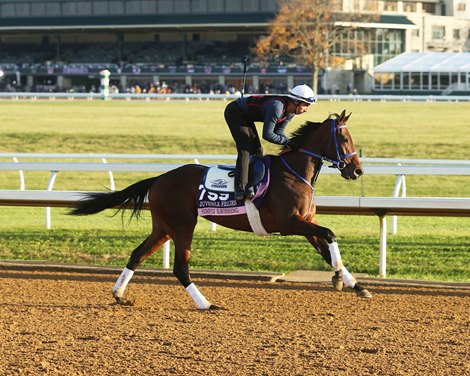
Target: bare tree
307, 31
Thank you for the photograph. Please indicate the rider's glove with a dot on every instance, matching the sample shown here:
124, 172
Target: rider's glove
292, 145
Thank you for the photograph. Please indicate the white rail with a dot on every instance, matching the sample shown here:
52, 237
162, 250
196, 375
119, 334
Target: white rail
30, 96
379, 206
400, 167
337, 205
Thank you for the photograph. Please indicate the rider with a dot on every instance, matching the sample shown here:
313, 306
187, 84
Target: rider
275, 111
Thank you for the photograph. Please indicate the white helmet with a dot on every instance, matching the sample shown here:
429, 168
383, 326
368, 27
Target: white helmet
302, 93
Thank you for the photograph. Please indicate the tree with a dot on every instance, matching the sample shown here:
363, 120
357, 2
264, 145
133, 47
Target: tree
307, 29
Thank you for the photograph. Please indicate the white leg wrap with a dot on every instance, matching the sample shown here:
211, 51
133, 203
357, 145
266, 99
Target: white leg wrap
348, 279
198, 298
121, 283
336, 261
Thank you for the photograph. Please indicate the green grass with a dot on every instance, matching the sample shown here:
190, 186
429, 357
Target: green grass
424, 248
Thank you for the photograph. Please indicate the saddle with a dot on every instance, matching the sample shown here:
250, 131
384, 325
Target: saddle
221, 178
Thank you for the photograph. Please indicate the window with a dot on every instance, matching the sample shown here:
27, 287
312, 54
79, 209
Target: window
370, 5
69, 9
429, 8
53, 9
22, 10
409, 6
434, 81
116, 7
454, 78
456, 34
397, 82
84, 9
148, 7
444, 80
438, 32
416, 81
406, 80
391, 6
38, 10
383, 80
461, 7
133, 7
425, 81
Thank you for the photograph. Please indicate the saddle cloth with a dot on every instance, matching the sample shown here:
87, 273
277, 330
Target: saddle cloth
216, 190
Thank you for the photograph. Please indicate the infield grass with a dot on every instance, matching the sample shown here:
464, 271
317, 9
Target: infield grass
425, 247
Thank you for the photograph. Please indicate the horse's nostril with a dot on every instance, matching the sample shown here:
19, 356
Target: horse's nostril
358, 172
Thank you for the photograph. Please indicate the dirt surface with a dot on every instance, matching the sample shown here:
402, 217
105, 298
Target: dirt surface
66, 323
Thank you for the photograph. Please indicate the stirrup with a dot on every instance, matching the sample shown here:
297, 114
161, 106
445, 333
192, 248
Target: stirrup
249, 193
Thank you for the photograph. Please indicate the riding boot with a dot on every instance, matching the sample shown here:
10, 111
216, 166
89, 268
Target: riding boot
239, 190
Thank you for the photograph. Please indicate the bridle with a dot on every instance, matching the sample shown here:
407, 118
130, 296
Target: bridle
338, 163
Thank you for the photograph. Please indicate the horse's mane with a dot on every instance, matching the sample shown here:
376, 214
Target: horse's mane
307, 129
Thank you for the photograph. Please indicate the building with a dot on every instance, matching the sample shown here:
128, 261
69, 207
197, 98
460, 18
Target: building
198, 44
433, 73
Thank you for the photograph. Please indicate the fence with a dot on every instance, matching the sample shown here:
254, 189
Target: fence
379, 206
400, 167
29, 96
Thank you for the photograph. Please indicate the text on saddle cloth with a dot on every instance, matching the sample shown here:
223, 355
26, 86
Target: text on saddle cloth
216, 190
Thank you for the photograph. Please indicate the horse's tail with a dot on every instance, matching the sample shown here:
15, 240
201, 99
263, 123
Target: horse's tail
132, 197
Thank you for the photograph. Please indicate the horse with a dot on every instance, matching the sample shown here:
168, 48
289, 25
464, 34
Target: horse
288, 207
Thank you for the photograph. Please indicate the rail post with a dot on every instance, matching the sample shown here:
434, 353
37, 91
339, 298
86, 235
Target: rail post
383, 247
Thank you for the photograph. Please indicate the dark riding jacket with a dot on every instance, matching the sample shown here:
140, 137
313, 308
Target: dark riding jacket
271, 110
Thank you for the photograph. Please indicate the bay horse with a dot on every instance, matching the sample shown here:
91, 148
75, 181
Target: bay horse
288, 207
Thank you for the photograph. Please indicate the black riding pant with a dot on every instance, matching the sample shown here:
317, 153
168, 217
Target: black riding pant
246, 138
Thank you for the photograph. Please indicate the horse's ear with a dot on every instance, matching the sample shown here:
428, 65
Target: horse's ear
342, 116
347, 117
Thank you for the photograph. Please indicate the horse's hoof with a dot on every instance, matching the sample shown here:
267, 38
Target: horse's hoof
125, 302
362, 292
337, 281
365, 294
213, 307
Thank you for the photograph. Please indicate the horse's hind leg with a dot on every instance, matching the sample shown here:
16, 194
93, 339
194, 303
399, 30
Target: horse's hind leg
138, 256
330, 253
183, 239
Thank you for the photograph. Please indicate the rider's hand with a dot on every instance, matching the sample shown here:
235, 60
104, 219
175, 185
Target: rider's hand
292, 145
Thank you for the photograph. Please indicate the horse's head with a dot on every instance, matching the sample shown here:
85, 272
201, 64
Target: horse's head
339, 149
330, 141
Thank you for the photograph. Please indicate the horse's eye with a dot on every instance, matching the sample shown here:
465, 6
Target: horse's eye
342, 139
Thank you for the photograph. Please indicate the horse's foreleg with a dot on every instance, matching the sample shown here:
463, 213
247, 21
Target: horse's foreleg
330, 253
138, 256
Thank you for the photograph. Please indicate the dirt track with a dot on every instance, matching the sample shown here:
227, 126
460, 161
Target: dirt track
66, 323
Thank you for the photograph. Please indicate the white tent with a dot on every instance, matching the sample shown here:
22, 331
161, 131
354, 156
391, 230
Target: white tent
439, 72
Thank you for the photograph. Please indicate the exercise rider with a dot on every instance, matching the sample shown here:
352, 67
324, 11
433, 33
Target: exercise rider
275, 111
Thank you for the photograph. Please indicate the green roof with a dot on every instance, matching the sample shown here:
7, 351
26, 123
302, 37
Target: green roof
399, 20
158, 21
139, 21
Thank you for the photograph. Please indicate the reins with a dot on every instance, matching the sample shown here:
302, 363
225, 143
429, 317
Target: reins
338, 163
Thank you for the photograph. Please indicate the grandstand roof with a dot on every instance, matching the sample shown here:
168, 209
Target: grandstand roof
155, 21
167, 21
427, 62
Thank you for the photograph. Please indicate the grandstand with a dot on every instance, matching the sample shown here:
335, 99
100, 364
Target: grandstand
176, 45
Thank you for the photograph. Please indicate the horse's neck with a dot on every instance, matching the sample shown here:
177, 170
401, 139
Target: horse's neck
303, 164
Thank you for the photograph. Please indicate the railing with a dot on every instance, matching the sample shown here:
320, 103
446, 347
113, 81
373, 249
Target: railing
380, 206
400, 167
30, 96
